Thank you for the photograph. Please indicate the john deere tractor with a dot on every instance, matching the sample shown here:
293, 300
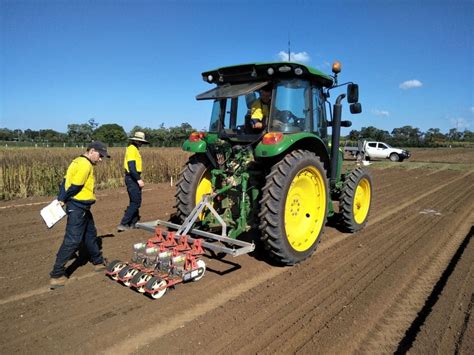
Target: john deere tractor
281, 179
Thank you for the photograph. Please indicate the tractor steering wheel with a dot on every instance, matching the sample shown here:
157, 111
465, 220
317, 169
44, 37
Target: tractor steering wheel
286, 116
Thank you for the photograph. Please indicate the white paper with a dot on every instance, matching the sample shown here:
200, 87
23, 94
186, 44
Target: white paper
52, 213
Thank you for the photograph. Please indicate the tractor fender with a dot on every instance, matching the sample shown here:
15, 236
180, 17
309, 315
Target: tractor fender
195, 147
303, 140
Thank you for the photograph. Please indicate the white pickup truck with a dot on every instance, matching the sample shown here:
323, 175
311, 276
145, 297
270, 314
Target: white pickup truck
368, 150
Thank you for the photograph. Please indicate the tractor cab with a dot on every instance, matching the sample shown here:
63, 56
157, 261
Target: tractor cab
296, 101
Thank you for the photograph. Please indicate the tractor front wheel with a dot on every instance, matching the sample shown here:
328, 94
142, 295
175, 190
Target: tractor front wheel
294, 207
356, 198
194, 182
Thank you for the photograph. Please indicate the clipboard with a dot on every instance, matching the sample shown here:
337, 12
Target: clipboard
52, 213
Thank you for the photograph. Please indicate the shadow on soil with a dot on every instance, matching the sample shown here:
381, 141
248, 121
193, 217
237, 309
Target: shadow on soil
80, 258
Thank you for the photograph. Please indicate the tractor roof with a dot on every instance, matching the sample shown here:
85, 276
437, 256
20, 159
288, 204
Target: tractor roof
266, 71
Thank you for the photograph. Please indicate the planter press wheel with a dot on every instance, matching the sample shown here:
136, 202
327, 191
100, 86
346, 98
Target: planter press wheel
141, 277
155, 283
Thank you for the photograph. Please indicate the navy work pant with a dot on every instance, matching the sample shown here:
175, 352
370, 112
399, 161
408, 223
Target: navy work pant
80, 233
135, 195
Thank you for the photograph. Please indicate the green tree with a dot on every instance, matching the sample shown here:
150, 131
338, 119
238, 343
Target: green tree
468, 136
454, 135
80, 132
92, 124
110, 133
6, 134
50, 135
374, 133
434, 136
407, 136
354, 135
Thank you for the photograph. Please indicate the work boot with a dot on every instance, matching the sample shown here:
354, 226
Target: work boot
101, 267
122, 228
57, 282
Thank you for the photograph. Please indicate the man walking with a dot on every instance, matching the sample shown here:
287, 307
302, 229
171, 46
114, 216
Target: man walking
132, 165
77, 193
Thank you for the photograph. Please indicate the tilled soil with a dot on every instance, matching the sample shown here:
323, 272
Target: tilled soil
404, 283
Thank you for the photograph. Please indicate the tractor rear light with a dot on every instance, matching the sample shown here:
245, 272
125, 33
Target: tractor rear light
196, 136
272, 138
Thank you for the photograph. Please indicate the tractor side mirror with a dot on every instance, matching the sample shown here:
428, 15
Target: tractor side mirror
352, 93
346, 123
356, 108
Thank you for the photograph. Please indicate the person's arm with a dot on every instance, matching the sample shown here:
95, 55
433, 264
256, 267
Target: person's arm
62, 191
73, 190
132, 168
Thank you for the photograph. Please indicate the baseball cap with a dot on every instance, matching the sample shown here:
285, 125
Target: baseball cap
100, 147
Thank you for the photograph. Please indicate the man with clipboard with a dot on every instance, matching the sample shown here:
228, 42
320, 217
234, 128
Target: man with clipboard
77, 194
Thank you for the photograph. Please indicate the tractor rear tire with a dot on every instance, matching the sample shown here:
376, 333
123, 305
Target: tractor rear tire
194, 182
356, 199
294, 207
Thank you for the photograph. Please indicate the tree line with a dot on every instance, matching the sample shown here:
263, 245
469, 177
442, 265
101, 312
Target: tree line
408, 136
112, 134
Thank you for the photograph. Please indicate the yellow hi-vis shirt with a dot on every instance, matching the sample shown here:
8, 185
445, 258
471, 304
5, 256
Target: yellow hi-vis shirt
81, 172
259, 110
132, 153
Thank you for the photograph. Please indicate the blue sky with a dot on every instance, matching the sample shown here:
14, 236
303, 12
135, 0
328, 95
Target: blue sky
137, 62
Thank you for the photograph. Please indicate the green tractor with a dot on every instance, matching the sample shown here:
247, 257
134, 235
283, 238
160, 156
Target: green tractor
281, 178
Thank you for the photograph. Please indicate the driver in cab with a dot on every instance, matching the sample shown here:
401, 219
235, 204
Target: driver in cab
260, 110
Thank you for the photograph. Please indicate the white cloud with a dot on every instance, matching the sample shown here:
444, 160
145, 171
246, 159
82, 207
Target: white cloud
410, 84
459, 123
300, 57
380, 113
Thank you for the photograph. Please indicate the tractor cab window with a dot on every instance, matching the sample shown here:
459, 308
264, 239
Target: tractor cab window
230, 115
215, 116
291, 110
319, 113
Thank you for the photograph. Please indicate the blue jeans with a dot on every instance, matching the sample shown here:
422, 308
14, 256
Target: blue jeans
80, 233
131, 215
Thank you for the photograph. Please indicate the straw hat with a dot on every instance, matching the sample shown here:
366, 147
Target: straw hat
139, 137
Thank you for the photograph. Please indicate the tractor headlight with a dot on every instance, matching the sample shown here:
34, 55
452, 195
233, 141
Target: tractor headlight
298, 71
210, 78
270, 71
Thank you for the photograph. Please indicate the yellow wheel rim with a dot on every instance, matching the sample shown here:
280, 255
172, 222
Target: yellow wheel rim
204, 187
361, 204
305, 209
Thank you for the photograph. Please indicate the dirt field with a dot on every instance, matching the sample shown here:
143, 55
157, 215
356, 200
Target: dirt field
405, 283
